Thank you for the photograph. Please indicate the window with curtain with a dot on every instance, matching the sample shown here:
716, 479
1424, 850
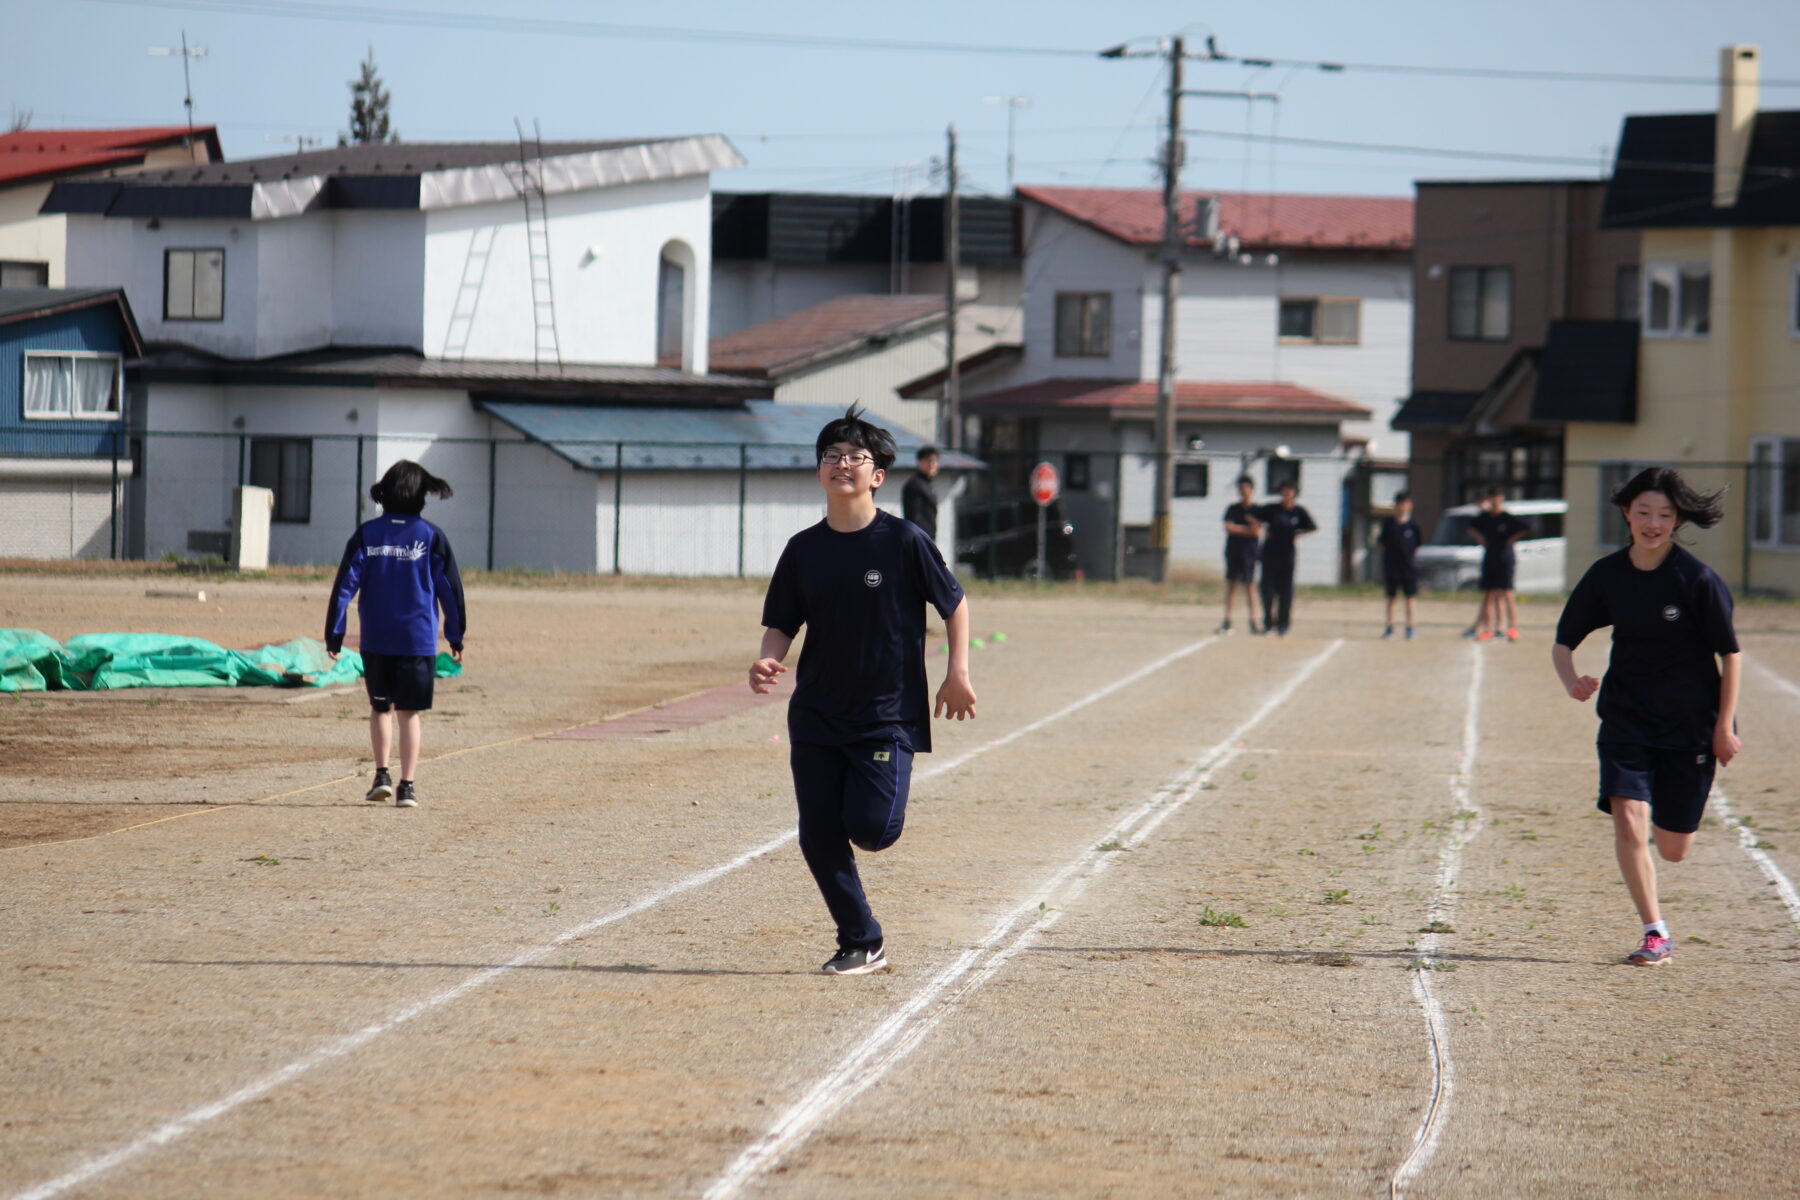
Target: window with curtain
1480, 304
1083, 324
1775, 493
65, 386
1328, 320
194, 285
284, 466
1677, 300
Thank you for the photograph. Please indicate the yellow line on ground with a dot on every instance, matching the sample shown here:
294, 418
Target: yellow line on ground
213, 808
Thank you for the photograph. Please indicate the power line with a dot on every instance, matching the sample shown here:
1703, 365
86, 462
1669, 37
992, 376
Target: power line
441, 19
1462, 72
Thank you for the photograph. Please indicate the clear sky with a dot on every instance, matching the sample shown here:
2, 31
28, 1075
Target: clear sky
848, 118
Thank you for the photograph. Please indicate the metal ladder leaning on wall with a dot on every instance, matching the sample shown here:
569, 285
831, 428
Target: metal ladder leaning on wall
529, 180
468, 292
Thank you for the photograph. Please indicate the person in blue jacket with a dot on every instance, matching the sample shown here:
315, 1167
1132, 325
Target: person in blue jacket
405, 571
1668, 704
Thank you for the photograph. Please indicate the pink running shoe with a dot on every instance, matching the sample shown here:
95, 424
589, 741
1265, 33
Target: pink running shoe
1656, 949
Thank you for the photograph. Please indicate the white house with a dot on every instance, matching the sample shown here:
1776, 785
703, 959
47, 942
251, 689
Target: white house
1295, 319
312, 318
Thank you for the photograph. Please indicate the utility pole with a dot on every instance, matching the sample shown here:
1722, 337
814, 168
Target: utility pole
950, 414
1173, 151
187, 81
1013, 105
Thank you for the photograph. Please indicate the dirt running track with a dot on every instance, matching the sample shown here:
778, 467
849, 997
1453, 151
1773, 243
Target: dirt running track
570, 973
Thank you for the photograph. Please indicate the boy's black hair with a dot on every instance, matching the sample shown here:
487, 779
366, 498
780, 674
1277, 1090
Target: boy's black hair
853, 430
1402, 495
1243, 479
926, 452
1704, 509
404, 488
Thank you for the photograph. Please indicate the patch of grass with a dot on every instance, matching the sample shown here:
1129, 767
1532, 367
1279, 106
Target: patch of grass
1109, 846
1438, 927
1337, 896
1431, 964
263, 860
1371, 919
1221, 919
1371, 834
1278, 911
1247, 776
1331, 958
1307, 853
1698, 940
1763, 844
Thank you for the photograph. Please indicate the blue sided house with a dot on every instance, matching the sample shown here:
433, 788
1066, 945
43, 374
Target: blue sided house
64, 420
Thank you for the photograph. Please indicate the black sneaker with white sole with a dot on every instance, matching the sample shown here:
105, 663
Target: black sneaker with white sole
858, 961
405, 797
382, 790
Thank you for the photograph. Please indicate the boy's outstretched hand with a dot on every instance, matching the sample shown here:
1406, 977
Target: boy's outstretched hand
763, 673
955, 699
1583, 687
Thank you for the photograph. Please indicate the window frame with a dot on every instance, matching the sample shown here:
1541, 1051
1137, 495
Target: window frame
1634, 292
1317, 336
1681, 269
1794, 301
1482, 275
1271, 483
1188, 468
43, 270
168, 254
283, 514
1077, 471
1085, 340
1769, 495
118, 392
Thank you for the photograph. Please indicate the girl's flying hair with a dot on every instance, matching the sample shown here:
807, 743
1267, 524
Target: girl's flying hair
854, 430
1704, 509
404, 488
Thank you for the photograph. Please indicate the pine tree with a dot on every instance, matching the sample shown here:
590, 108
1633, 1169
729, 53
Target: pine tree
368, 108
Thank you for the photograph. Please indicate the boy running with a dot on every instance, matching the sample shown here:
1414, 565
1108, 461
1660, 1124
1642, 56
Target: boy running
1283, 524
1667, 711
404, 568
859, 581
1241, 530
1399, 541
1495, 530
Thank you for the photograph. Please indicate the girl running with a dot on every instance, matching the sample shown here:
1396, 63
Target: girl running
1667, 710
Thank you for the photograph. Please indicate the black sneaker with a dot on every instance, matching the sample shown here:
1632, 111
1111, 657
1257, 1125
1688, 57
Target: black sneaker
382, 790
405, 797
859, 961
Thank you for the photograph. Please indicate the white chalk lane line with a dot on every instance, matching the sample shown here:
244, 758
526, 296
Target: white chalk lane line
1466, 822
1748, 840
902, 1031
180, 1127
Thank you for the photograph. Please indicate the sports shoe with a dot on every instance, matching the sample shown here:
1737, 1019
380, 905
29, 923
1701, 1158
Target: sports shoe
858, 961
1409, 633
1656, 949
1486, 635
382, 790
1223, 628
1388, 634
1512, 635
406, 797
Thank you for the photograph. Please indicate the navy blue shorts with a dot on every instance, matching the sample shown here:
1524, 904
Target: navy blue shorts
1407, 582
1674, 783
1497, 576
399, 681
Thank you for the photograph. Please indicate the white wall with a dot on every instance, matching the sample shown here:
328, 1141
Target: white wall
27, 237
110, 252
747, 292
1067, 256
378, 278
293, 284
605, 250
59, 517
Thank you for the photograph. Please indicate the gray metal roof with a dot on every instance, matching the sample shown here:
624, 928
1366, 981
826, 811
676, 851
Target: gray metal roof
390, 158
760, 436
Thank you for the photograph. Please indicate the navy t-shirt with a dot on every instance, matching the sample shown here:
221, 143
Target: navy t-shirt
1497, 530
1399, 541
1280, 527
862, 598
1661, 688
1240, 545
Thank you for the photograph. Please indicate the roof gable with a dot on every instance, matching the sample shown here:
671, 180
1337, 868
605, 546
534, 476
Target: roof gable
20, 305
32, 155
1663, 177
1260, 221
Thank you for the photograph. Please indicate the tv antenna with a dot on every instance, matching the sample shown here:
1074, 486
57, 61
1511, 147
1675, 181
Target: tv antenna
187, 54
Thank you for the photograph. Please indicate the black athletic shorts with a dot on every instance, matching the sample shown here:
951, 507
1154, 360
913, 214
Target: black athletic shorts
1240, 565
1674, 783
1407, 582
399, 681
1497, 576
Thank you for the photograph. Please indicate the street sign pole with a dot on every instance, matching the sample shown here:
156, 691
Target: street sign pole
1043, 527
1044, 488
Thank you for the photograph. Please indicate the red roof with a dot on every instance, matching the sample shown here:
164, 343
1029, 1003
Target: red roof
1266, 220
839, 324
44, 153
1238, 403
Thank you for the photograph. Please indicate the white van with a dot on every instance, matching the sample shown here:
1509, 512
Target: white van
1452, 561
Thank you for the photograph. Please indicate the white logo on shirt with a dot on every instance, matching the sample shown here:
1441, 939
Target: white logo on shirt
872, 578
1671, 613
412, 553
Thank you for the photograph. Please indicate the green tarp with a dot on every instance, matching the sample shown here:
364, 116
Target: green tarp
31, 662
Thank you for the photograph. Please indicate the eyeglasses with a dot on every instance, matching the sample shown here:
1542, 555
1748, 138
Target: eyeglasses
832, 459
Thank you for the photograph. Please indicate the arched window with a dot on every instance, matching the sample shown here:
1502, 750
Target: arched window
675, 306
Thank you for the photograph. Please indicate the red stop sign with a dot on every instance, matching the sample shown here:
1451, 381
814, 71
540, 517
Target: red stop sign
1044, 483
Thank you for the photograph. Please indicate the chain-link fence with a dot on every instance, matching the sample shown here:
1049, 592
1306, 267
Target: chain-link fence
726, 509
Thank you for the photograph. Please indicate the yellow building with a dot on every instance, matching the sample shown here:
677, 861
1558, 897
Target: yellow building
1717, 198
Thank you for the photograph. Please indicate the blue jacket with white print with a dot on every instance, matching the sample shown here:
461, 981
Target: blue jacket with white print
406, 571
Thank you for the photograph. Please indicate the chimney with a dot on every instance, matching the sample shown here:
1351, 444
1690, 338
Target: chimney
1738, 72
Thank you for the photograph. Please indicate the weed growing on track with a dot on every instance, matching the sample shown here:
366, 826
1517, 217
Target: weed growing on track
1308, 853
1332, 958
1337, 896
1438, 927
1227, 919
1114, 844
1430, 964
